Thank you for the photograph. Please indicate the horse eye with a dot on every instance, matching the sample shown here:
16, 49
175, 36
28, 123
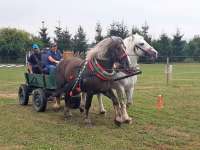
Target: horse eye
141, 44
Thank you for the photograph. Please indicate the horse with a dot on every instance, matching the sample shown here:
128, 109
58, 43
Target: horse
136, 47
94, 75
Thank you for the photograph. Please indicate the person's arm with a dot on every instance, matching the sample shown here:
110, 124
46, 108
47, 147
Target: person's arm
29, 64
51, 59
30, 68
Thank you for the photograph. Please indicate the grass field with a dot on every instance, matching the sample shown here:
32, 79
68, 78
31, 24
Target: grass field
176, 126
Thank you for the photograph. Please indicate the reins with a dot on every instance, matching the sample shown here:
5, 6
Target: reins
79, 77
129, 75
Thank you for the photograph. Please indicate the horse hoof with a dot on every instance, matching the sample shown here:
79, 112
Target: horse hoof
129, 104
118, 123
67, 115
88, 123
81, 110
128, 121
67, 118
102, 112
89, 126
56, 109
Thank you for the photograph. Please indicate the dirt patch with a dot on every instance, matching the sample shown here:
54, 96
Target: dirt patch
146, 87
8, 147
162, 147
175, 133
8, 95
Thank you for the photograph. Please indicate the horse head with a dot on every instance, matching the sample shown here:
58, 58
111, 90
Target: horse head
141, 47
112, 50
118, 53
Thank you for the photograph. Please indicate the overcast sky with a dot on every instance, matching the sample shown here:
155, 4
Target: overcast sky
163, 16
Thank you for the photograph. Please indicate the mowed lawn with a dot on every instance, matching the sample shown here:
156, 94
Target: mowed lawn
176, 126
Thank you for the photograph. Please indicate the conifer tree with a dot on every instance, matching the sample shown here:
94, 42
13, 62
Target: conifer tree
79, 41
145, 31
44, 35
178, 45
63, 38
118, 29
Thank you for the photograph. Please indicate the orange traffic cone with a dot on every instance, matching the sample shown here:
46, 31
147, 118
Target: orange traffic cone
160, 102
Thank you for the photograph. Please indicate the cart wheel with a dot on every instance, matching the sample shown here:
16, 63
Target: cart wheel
39, 100
23, 94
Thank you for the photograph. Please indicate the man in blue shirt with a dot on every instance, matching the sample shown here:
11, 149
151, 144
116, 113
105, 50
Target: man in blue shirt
54, 57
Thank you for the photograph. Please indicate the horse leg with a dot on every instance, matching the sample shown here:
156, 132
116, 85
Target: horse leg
118, 114
87, 107
56, 105
129, 95
66, 87
121, 96
67, 112
101, 107
82, 103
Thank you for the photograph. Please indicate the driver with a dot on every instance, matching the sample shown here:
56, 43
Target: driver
34, 61
54, 57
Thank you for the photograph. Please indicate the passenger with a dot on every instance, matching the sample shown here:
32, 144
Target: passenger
34, 61
54, 57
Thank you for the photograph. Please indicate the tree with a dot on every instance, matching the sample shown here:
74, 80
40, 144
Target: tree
63, 39
36, 40
193, 48
136, 30
163, 46
67, 42
79, 41
58, 33
44, 35
98, 30
178, 45
145, 34
118, 29
14, 43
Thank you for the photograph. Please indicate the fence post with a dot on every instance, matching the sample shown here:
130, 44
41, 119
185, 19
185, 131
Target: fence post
167, 71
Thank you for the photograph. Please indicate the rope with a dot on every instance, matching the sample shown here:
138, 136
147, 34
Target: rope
79, 75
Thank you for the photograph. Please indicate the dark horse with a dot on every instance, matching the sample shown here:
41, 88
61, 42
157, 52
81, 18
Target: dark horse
93, 75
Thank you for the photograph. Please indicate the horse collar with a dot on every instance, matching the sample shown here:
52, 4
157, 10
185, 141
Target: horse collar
99, 70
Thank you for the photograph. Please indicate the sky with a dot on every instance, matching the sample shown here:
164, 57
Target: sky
162, 16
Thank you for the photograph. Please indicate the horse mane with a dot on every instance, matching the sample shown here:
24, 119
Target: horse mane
130, 41
100, 49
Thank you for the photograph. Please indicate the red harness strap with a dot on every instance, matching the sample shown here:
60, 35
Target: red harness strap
91, 68
123, 56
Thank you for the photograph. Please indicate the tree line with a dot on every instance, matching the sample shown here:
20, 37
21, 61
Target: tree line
14, 43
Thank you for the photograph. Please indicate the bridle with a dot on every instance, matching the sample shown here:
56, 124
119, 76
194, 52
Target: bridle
123, 56
137, 47
135, 50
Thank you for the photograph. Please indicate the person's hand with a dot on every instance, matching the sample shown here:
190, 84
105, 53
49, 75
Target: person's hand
57, 62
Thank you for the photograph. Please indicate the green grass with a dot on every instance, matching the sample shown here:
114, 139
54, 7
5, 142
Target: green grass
176, 126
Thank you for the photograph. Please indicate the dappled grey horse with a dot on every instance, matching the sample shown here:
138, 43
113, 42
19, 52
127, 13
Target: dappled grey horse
93, 75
